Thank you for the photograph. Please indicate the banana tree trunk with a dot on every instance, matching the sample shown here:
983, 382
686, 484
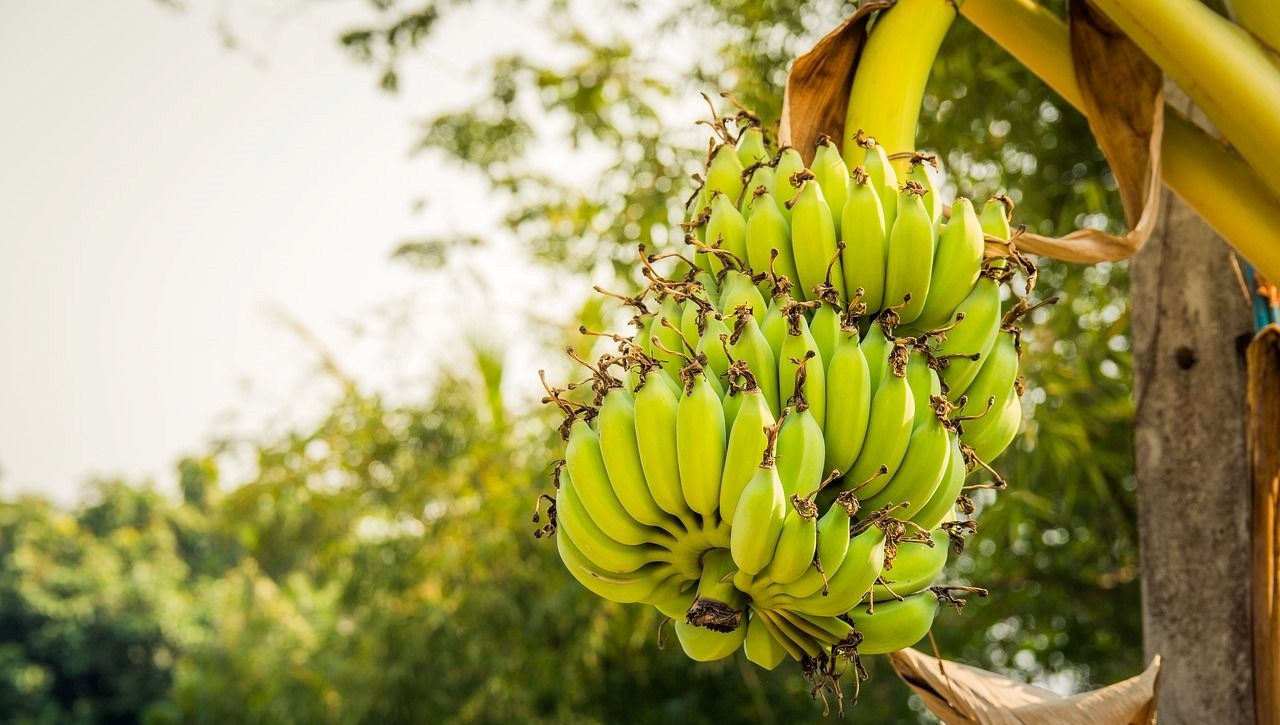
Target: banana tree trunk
1190, 328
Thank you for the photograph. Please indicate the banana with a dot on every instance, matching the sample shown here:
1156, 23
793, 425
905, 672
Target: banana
797, 544
999, 373
909, 268
829, 630
833, 177
799, 645
801, 449
748, 344
711, 346
769, 239
888, 427
972, 336
825, 328
631, 588
862, 565
925, 386
695, 224
617, 429
883, 176
727, 229
943, 501
656, 415
724, 173
673, 597
700, 442
922, 470
955, 266
848, 400
585, 466
798, 346
774, 324
915, 567
895, 625
705, 645
788, 163
761, 510
596, 546
760, 646
876, 347
989, 435
813, 239
919, 173
668, 336
747, 442
718, 605
752, 148
862, 228
760, 180
738, 290
995, 217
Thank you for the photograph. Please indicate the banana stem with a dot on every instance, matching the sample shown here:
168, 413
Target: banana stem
1224, 190
892, 73
1220, 66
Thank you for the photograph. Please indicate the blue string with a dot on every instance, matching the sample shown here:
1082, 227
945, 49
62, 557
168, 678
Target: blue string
1264, 313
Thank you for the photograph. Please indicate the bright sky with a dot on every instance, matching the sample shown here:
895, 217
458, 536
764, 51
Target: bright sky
162, 197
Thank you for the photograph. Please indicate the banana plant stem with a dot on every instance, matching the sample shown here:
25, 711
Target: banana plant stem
1223, 189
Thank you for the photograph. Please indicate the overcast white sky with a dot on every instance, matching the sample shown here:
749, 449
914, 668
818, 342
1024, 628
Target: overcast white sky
160, 196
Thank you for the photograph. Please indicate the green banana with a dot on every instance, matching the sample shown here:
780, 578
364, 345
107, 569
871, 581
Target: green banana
585, 465
998, 374
668, 337
788, 163
995, 217
943, 501
919, 173
748, 344
774, 324
724, 173
863, 230
813, 240
700, 443
656, 415
968, 343
718, 605
989, 435
727, 229
747, 442
596, 546
738, 290
760, 181
888, 427
883, 176
909, 268
797, 543
769, 239
798, 347
848, 400
862, 565
921, 470
825, 328
630, 588
925, 386
876, 347
955, 266
801, 450
705, 645
752, 148
833, 176
760, 646
895, 625
617, 429
915, 567
761, 510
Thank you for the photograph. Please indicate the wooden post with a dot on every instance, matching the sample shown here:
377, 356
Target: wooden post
1264, 457
1190, 327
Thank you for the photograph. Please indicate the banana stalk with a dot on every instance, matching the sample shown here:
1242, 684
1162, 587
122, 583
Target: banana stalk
1224, 190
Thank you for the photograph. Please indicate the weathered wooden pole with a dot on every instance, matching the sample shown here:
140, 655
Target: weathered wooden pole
1264, 459
1191, 325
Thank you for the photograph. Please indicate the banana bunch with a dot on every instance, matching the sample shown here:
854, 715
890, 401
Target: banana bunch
773, 456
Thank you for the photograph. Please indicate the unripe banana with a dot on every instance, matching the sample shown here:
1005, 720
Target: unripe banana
876, 347
955, 267
774, 324
762, 508
989, 435
718, 604
700, 443
825, 328
999, 373
761, 180
788, 164
727, 229
769, 240
617, 429
711, 345
943, 501
739, 289
888, 428
695, 224
995, 217
668, 336
921, 471
883, 176
973, 335
752, 148
799, 645
813, 240
637, 586
909, 269
894, 625
915, 566
801, 451
584, 463
760, 646
705, 645
748, 344
747, 442
656, 408
797, 543
848, 401
724, 173
798, 346
862, 565
832, 175
828, 630
673, 597
925, 386
863, 231
919, 173
597, 547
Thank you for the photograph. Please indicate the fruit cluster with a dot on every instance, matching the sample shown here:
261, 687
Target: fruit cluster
775, 456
